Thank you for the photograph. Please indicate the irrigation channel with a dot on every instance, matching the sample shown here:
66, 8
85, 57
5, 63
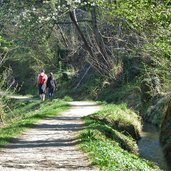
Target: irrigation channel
150, 148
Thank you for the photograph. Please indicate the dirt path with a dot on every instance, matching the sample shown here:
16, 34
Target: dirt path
51, 145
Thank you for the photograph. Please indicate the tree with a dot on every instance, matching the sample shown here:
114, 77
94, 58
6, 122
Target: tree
118, 29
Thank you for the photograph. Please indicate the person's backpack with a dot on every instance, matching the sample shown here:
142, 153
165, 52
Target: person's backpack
42, 78
52, 83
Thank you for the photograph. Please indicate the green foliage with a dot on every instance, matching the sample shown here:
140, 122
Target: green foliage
143, 29
68, 98
4, 45
119, 93
2, 113
124, 141
111, 157
136, 25
93, 86
105, 144
89, 87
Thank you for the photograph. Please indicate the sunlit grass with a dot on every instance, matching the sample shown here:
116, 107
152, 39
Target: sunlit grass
26, 119
108, 147
119, 115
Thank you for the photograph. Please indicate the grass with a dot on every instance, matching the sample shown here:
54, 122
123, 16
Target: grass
120, 117
118, 112
108, 147
26, 115
16, 109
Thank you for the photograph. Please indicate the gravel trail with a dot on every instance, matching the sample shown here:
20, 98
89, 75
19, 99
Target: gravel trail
51, 145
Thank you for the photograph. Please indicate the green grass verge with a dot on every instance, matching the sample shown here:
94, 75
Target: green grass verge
25, 119
121, 118
109, 148
119, 113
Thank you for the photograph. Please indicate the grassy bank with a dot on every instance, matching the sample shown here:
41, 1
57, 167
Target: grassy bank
108, 146
26, 114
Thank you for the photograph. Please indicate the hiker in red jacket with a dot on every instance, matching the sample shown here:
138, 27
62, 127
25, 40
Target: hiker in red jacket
42, 80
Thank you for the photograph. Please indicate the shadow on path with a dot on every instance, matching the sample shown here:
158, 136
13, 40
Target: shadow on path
52, 144
43, 143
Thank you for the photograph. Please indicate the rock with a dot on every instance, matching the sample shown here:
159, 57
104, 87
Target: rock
150, 87
156, 111
165, 134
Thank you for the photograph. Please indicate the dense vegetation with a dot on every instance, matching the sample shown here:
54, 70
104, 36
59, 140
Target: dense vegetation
114, 51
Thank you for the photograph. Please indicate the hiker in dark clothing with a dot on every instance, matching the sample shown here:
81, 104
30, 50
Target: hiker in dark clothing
41, 81
51, 85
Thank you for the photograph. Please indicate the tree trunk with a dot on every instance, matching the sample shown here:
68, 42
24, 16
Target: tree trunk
96, 31
88, 48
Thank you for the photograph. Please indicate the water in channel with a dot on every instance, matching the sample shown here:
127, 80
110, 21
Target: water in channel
150, 148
